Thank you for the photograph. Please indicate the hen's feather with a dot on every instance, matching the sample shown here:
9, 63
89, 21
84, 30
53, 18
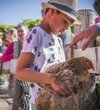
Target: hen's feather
75, 75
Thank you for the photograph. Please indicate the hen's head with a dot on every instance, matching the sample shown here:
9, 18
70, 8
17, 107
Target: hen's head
86, 62
81, 62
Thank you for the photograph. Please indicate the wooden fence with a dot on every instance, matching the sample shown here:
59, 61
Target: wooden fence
93, 53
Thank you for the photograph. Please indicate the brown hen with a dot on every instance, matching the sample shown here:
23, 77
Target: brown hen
74, 73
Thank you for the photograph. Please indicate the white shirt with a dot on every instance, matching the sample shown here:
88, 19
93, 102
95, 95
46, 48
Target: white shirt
48, 50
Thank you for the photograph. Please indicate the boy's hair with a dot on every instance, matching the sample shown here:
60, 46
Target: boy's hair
42, 11
58, 12
48, 10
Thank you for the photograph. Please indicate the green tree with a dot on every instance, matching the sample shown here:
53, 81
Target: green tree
4, 28
31, 23
72, 28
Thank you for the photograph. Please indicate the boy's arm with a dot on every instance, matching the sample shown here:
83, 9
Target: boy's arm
23, 72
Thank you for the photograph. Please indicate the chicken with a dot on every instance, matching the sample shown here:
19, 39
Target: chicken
74, 73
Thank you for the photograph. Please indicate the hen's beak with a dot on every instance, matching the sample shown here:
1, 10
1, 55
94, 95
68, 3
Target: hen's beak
92, 67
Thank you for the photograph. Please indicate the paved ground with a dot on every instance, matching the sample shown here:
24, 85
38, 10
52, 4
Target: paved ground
5, 100
5, 103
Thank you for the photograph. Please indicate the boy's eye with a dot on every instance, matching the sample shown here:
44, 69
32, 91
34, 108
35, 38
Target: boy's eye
65, 22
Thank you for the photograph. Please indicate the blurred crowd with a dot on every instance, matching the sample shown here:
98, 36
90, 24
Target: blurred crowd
10, 48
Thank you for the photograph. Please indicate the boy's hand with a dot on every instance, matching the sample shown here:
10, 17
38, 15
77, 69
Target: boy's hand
60, 87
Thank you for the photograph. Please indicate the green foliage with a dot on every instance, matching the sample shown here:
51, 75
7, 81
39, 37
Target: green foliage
72, 28
31, 23
4, 28
98, 81
37, 21
1, 33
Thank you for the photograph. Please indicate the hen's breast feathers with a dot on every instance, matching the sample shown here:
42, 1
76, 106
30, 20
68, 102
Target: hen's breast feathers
74, 74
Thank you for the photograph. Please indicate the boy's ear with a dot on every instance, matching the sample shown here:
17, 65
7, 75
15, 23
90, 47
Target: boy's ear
51, 11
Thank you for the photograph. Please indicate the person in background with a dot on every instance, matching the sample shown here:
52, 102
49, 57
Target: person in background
11, 35
66, 37
21, 88
7, 56
90, 33
2, 50
2, 47
42, 47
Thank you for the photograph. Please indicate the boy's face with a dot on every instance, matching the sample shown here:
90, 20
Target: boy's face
59, 22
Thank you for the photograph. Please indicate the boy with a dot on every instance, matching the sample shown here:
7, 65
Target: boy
43, 48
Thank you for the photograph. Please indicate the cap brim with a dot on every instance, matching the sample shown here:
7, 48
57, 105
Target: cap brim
47, 5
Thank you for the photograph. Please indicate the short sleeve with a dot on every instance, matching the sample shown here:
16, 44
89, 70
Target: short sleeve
32, 42
60, 41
